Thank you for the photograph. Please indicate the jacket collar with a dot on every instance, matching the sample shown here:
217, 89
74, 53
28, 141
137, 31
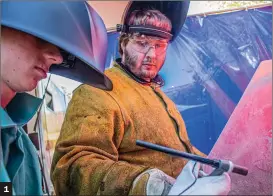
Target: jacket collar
20, 110
158, 80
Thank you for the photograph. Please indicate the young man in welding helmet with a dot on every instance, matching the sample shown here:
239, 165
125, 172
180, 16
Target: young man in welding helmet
39, 37
96, 152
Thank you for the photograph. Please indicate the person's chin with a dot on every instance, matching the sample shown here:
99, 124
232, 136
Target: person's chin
147, 75
31, 86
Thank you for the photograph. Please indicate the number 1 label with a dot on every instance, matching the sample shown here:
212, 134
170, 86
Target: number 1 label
5, 189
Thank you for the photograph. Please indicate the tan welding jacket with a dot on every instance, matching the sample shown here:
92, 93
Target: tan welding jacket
96, 151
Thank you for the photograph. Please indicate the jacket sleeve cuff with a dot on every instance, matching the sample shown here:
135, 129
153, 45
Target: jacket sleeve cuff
119, 178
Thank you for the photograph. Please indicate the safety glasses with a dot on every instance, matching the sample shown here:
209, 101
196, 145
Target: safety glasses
143, 43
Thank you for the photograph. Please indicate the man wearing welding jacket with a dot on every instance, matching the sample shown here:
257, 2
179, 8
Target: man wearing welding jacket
96, 152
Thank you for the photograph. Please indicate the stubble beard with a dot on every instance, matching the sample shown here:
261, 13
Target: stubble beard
130, 62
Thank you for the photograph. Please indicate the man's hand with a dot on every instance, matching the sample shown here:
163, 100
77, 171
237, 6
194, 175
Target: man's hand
189, 182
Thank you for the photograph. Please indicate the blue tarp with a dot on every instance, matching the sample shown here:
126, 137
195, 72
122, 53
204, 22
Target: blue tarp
209, 66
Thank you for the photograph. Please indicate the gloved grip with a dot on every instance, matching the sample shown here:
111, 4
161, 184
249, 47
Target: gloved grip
217, 172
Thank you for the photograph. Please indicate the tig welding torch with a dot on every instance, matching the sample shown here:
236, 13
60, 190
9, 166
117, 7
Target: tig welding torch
220, 165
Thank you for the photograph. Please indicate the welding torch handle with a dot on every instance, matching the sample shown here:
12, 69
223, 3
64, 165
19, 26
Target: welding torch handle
220, 165
211, 162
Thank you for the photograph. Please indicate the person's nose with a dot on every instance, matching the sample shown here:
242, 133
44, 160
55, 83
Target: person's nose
151, 52
52, 55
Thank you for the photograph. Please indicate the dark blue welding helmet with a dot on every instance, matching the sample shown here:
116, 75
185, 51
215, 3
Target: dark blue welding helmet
176, 11
74, 27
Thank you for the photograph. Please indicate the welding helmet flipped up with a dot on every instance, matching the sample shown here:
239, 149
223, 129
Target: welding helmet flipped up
176, 11
72, 26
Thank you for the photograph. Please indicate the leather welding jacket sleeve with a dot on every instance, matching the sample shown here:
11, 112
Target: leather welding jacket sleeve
86, 161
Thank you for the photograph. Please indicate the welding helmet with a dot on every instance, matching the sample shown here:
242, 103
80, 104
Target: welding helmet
74, 27
176, 11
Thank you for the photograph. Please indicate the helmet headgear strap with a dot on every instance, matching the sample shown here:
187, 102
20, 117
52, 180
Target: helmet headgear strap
146, 30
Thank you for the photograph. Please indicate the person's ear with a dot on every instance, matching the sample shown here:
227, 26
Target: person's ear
122, 46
